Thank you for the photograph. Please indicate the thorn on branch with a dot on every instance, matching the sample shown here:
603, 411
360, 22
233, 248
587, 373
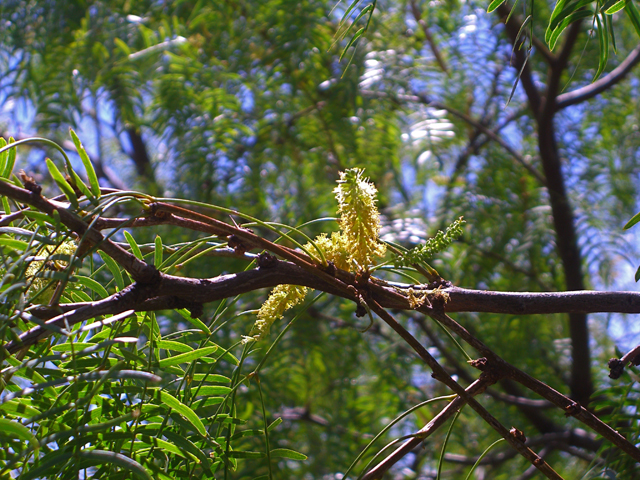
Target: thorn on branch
616, 366
195, 310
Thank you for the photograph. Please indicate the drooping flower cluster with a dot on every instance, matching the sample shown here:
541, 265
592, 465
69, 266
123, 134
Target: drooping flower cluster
281, 299
353, 248
359, 218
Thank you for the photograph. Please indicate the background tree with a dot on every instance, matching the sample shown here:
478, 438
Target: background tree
246, 106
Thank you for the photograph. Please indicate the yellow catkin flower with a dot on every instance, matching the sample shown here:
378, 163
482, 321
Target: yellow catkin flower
359, 217
334, 248
281, 299
37, 283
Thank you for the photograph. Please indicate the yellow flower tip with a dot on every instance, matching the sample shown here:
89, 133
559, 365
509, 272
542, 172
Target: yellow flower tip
281, 299
334, 249
359, 217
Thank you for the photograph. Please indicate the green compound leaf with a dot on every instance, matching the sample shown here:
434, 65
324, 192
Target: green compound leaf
422, 253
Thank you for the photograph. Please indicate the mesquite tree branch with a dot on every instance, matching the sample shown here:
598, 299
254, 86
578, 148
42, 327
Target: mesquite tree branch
153, 290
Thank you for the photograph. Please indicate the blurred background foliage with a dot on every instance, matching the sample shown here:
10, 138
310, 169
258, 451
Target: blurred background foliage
245, 104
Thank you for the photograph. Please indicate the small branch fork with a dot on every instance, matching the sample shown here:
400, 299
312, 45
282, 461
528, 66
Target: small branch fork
153, 290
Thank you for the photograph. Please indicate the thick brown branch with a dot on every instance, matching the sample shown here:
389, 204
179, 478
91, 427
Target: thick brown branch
138, 269
527, 303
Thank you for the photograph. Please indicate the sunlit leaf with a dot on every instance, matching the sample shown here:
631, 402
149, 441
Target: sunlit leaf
62, 183
494, 4
88, 166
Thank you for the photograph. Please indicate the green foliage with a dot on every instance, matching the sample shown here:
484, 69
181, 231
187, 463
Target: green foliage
420, 254
616, 404
247, 105
116, 396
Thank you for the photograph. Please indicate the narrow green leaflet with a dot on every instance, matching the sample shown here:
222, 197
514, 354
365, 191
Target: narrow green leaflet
99, 457
612, 33
133, 244
484, 454
603, 41
114, 269
495, 4
187, 357
157, 258
188, 446
616, 7
635, 219
19, 408
13, 244
574, 17
92, 284
164, 445
558, 22
196, 322
176, 346
62, 183
552, 20
286, 453
88, 166
632, 12
172, 402
209, 390
9, 158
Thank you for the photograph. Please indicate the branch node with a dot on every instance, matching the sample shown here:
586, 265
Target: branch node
518, 435
156, 212
480, 363
30, 183
572, 409
236, 243
266, 260
331, 268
